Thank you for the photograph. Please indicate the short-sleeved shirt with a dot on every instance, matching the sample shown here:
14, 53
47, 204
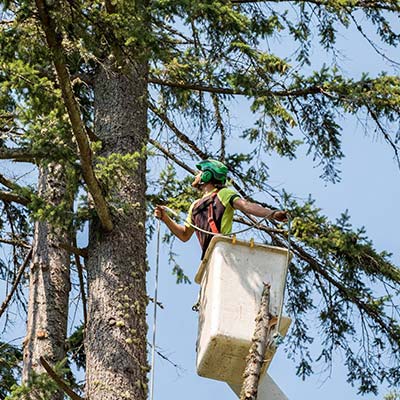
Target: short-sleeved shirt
223, 212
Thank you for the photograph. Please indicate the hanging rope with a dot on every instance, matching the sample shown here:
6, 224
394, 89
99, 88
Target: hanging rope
277, 337
153, 343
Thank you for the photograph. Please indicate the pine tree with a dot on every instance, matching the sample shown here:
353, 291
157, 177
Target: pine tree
99, 86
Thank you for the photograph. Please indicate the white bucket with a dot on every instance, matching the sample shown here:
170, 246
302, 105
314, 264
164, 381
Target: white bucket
231, 278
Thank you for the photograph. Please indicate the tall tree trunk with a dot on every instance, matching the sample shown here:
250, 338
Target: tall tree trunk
116, 332
49, 283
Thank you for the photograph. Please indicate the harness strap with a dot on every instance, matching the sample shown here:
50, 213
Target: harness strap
211, 220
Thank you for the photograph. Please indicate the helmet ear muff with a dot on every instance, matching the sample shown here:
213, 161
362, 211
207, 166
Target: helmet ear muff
206, 176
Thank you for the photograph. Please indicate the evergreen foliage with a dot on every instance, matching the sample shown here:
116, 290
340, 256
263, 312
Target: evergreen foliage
202, 56
10, 359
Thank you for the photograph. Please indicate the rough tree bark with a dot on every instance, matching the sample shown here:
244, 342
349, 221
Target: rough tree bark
49, 282
116, 333
255, 359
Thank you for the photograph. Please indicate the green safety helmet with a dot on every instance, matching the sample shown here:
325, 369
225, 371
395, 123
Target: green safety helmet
212, 169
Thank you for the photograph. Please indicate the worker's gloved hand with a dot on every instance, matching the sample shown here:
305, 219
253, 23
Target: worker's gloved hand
160, 213
281, 216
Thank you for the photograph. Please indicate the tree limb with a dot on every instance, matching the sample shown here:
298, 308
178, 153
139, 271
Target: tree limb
385, 134
7, 182
16, 155
344, 291
60, 382
169, 155
319, 269
179, 134
255, 358
16, 282
81, 285
231, 91
353, 4
54, 41
15, 242
74, 250
12, 197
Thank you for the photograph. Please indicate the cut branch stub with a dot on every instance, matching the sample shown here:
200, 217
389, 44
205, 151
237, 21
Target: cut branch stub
255, 359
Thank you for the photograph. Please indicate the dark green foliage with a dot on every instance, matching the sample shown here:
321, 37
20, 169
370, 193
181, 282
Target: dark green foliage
40, 386
10, 367
76, 350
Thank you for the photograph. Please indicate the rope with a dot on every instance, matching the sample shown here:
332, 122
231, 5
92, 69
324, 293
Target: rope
277, 337
153, 345
254, 225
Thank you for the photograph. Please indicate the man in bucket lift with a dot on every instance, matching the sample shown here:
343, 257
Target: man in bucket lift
214, 211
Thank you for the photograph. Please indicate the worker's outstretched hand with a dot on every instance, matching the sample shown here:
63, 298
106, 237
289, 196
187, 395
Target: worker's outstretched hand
160, 213
281, 216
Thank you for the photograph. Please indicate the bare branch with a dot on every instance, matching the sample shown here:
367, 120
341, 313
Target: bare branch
159, 304
16, 282
385, 134
259, 343
169, 155
180, 135
372, 44
81, 285
165, 357
60, 382
54, 42
74, 250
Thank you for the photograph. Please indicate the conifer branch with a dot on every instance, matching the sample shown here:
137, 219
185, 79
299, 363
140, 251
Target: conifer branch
9, 197
320, 270
376, 5
60, 382
20, 155
54, 41
16, 282
343, 290
15, 242
238, 92
7, 182
371, 43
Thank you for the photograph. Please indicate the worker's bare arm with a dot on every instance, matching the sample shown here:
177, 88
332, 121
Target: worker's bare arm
258, 211
182, 232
